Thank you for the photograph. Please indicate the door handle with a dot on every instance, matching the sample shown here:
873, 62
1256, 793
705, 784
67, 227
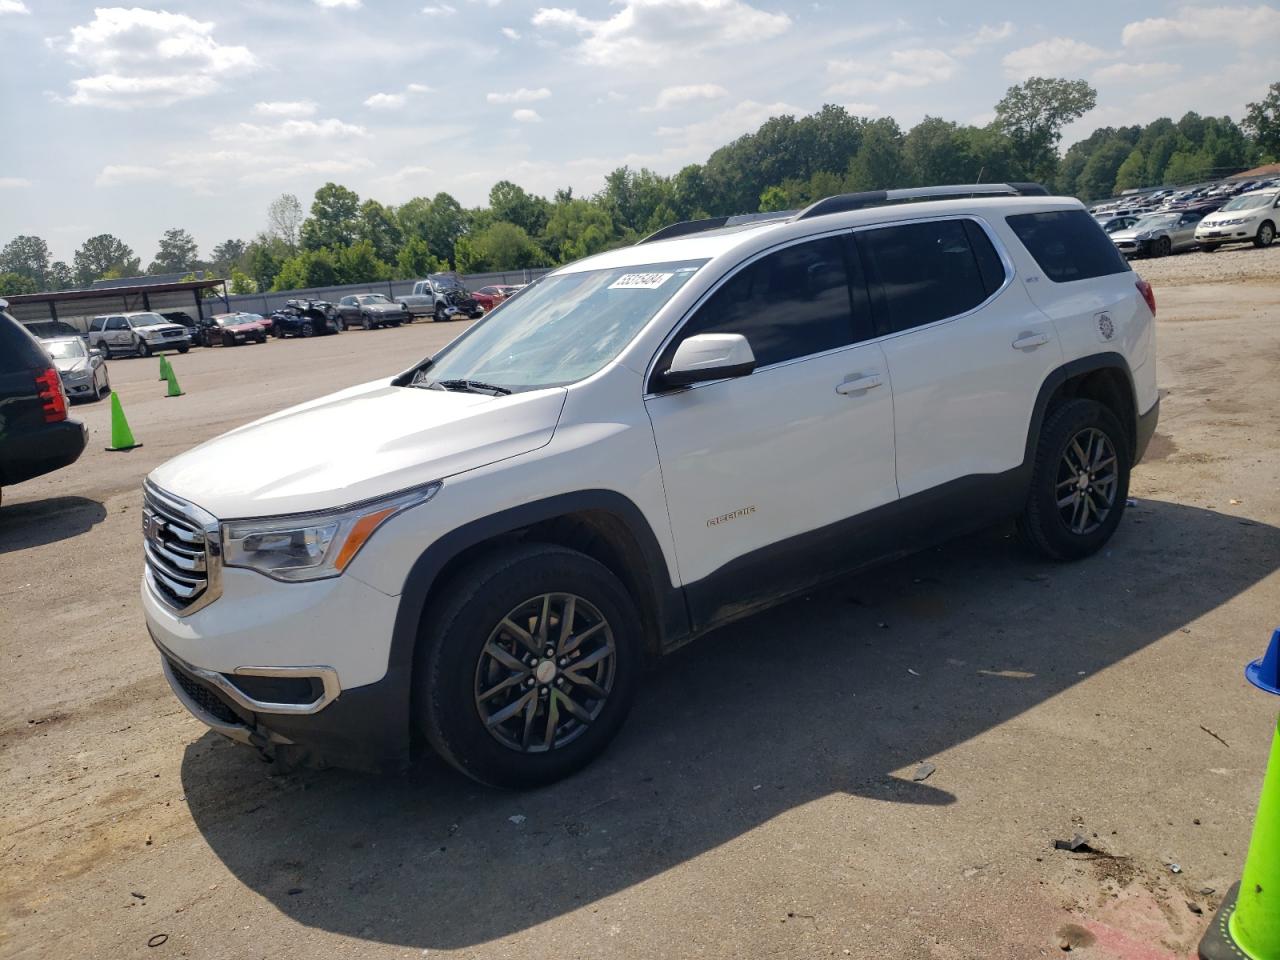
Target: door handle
859, 384
1031, 341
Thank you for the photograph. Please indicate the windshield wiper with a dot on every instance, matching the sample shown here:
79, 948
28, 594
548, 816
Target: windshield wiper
472, 386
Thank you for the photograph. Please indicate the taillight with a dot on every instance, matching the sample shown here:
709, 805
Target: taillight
49, 385
1148, 294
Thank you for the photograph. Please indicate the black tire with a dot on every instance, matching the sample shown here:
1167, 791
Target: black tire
228, 340
142, 350
437, 314
96, 391
366, 322
1162, 247
309, 329
1042, 525
454, 638
184, 348
105, 348
1266, 234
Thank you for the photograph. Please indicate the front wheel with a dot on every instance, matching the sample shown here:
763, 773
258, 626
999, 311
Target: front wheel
1162, 247
1266, 235
308, 329
142, 349
1079, 482
184, 348
528, 668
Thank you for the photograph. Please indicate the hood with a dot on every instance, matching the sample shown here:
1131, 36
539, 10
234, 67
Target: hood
1223, 216
381, 307
360, 443
1132, 234
159, 328
71, 364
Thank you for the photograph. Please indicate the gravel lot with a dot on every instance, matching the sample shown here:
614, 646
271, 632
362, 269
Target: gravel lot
760, 801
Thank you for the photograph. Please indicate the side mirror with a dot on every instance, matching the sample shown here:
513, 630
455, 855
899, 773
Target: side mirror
709, 356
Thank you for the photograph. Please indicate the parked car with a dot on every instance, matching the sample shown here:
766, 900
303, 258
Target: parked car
481, 552
137, 334
1115, 224
1159, 234
83, 371
230, 329
418, 305
371, 311
494, 294
305, 318
1249, 218
183, 319
48, 329
452, 299
36, 434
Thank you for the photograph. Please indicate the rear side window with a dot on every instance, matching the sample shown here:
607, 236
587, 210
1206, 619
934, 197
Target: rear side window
19, 350
1068, 245
789, 304
924, 272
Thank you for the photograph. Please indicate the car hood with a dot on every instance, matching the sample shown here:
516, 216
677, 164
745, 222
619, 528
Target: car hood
1213, 219
381, 307
160, 328
71, 364
1132, 234
363, 442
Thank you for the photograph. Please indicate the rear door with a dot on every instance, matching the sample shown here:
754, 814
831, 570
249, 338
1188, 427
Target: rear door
760, 470
967, 351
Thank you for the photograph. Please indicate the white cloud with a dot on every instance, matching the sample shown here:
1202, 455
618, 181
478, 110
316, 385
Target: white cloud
673, 96
901, 70
525, 115
113, 175
1055, 57
395, 101
284, 108
1128, 72
334, 4
439, 10
984, 36
523, 95
407, 173
148, 58
289, 130
14, 183
705, 135
511, 33
1240, 26
418, 88
12, 6
202, 171
653, 31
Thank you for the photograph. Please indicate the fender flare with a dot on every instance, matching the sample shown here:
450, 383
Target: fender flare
1109, 360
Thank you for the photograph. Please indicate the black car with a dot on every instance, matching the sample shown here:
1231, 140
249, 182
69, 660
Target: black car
48, 329
183, 320
36, 435
371, 310
304, 318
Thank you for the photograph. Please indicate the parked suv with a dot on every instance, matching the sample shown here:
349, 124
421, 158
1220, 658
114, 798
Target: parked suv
1250, 217
137, 334
479, 553
36, 435
371, 311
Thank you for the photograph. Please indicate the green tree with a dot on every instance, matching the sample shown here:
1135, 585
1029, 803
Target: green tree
226, 255
102, 255
1187, 166
27, 256
241, 282
1262, 122
379, 226
305, 269
1098, 178
59, 277
878, 163
1133, 172
334, 218
284, 220
359, 263
263, 257
500, 246
415, 260
440, 221
12, 284
935, 152
513, 204
178, 252
1032, 115
576, 229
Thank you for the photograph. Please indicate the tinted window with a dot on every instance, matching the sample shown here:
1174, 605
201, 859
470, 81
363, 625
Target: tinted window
984, 252
788, 304
117, 323
19, 350
923, 272
1068, 245
97, 323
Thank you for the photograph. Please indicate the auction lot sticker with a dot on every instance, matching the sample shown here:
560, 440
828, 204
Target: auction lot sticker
640, 281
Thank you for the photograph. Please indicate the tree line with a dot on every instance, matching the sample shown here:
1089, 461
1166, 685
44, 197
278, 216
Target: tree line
788, 162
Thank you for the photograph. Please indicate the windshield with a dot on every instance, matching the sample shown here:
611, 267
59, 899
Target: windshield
561, 330
65, 349
1155, 220
372, 298
1247, 202
147, 320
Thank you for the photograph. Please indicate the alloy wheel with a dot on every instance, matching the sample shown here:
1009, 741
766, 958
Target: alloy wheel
1087, 481
545, 673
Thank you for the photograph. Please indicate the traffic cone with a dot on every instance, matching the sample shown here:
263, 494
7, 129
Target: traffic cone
174, 389
164, 367
1248, 923
121, 435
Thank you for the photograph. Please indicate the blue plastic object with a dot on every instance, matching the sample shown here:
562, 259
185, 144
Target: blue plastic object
1265, 673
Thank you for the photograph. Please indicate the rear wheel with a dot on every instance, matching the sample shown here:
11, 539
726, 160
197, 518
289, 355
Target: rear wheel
1079, 483
1266, 235
528, 667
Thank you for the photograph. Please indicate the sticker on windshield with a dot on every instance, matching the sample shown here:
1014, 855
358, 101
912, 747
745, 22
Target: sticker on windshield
640, 281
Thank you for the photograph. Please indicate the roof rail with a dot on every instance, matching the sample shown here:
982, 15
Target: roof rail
877, 198
686, 227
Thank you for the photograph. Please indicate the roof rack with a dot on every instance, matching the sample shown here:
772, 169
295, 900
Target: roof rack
851, 201
878, 198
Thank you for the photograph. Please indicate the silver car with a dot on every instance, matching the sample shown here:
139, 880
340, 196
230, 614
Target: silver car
1159, 234
83, 371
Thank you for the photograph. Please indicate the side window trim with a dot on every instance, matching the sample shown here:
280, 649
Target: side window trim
878, 299
674, 334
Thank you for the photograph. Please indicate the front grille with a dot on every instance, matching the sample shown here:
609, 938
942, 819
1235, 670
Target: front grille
208, 701
181, 549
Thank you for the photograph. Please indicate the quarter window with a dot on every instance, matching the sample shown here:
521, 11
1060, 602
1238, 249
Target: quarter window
1068, 245
924, 272
789, 304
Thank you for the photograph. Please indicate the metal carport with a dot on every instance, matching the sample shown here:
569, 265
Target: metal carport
79, 307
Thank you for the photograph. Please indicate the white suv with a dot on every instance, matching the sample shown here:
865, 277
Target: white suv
137, 334
1249, 218
480, 553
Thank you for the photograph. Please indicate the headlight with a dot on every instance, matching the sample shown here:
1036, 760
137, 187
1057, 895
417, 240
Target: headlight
312, 546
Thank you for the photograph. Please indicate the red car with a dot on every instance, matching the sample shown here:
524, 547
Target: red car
490, 296
230, 329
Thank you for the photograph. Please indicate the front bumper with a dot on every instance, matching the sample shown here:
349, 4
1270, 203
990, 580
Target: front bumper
1234, 234
168, 343
82, 387
1134, 248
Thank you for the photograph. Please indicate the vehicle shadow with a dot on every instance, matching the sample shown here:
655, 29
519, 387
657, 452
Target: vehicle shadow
37, 523
843, 691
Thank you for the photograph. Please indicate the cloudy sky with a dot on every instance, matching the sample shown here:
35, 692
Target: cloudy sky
133, 119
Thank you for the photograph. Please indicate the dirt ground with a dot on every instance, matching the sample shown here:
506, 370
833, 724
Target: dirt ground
760, 801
